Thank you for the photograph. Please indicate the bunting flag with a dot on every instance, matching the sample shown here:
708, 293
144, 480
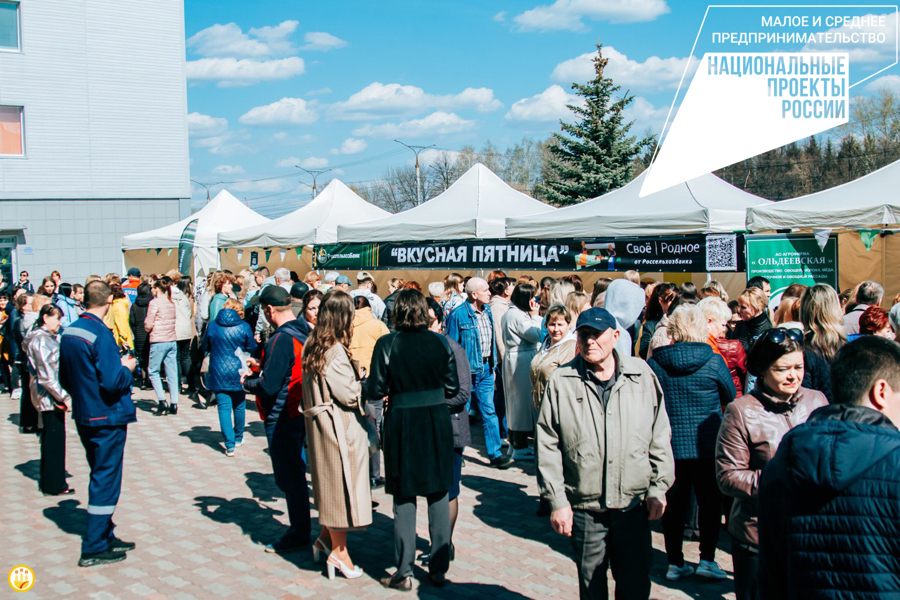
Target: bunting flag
822, 236
169, 251
282, 253
186, 248
240, 255
158, 250
868, 237
299, 251
268, 254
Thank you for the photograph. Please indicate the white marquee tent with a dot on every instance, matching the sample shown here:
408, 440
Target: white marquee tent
314, 223
705, 204
475, 206
870, 201
222, 213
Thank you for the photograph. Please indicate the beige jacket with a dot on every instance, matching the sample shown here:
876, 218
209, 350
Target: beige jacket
338, 442
366, 331
596, 460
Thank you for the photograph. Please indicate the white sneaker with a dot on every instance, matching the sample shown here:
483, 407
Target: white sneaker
229, 452
710, 570
523, 454
675, 573
16, 394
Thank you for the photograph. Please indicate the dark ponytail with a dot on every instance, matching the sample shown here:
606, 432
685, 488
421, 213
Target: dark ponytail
164, 284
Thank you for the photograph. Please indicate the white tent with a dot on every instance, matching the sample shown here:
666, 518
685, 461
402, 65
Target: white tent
314, 223
870, 201
222, 213
705, 204
475, 206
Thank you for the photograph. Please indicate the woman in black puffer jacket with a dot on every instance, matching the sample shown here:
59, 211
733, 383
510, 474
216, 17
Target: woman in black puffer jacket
136, 316
696, 383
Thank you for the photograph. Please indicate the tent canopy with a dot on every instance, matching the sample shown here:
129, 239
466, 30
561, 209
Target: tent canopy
705, 204
314, 223
475, 206
222, 213
870, 201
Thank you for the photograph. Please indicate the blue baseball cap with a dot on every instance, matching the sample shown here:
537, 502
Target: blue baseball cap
596, 318
342, 279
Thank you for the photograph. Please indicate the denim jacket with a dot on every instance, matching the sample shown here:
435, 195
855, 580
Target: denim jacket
462, 327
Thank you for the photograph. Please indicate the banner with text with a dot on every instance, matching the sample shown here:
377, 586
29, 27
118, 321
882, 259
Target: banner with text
687, 254
787, 259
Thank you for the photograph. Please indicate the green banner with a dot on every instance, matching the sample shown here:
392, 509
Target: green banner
186, 248
787, 259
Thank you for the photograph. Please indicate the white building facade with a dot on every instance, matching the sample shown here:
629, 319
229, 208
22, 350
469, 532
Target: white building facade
93, 131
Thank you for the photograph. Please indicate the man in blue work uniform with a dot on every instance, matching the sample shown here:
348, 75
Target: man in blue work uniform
99, 381
278, 390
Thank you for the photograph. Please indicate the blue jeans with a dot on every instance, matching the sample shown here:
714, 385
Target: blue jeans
231, 403
483, 395
105, 449
164, 353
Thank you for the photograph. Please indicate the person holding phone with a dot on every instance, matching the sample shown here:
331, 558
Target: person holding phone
522, 336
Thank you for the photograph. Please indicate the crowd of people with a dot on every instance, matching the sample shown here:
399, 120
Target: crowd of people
637, 400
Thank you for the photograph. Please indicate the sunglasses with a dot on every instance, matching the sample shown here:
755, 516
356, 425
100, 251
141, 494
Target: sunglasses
780, 334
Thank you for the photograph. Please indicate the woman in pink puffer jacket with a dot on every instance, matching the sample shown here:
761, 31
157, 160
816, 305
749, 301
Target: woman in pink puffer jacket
160, 323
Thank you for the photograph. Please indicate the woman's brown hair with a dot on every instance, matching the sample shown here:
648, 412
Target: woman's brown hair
334, 325
410, 311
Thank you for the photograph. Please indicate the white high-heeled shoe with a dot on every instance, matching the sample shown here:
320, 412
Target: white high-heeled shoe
319, 549
346, 571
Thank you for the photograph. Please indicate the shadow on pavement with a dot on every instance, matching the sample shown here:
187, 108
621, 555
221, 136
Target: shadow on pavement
466, 590
13, 418
523, 523
707, 589
255, 428
30, 469
147, 406
204, 434
262, 486
68, 516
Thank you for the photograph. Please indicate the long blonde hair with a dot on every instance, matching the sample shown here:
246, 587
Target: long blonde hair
820, 313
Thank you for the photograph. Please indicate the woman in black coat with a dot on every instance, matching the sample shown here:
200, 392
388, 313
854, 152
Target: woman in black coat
416, 370
136, 316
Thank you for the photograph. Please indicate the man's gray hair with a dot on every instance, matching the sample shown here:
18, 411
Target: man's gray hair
331, 276
870, 293
282, 274
715, 309
475, 284
436, 289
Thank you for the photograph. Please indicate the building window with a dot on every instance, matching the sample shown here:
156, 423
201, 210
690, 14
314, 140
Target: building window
9, 25
11, 138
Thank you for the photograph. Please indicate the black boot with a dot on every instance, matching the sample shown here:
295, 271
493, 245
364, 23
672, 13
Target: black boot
162, 409
173, 409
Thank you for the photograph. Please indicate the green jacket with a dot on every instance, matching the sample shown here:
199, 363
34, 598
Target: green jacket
576, 439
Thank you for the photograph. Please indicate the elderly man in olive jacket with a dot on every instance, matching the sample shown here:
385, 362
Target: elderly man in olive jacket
605, 458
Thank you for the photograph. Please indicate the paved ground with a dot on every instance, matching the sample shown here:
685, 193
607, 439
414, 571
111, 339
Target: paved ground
200, 521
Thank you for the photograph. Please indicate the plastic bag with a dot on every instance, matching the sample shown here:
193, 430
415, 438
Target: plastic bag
244, 357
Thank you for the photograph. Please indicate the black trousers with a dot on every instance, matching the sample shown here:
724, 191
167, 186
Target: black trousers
698, 475
28, 416
438, 533
746, 570
617, 539
500, 401
185, 362
53, 453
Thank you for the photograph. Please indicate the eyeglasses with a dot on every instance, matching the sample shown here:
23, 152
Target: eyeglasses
780, 334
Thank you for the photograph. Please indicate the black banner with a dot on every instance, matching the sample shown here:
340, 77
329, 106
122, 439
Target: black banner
686, 254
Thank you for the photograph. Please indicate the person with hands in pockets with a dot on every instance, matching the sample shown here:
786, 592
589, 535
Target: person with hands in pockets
605, 459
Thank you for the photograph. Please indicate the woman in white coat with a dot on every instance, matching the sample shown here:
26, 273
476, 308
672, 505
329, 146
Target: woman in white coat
521, 336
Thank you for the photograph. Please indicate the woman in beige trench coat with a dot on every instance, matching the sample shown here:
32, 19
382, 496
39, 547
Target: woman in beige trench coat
336, 434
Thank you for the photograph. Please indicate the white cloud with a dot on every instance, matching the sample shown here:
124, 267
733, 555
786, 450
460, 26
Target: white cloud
290, 161
549, 105
864, 53
568, 14
200, 125
645, 116
319, 92
228, 170
283, 137
437, 123
314, 162
225, 144
230, 40
233, 72
319, 40
269, 185
287, 111
891, 82
500, 17
378, 100
351, 146
653, 75
428, 157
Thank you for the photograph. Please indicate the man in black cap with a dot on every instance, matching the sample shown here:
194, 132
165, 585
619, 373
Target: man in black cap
605, 459
130, 287
278, 389
298, 290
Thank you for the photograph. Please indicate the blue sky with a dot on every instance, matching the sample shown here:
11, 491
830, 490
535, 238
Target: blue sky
331, 84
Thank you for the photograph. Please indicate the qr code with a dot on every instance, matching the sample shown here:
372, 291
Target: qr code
721, 253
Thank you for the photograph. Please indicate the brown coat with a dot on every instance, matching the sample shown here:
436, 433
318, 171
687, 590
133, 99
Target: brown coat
750, 433
338, 443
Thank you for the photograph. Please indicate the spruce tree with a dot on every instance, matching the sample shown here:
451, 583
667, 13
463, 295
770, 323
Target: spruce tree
595, 154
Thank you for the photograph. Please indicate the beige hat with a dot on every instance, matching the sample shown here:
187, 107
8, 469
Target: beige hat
363, 275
